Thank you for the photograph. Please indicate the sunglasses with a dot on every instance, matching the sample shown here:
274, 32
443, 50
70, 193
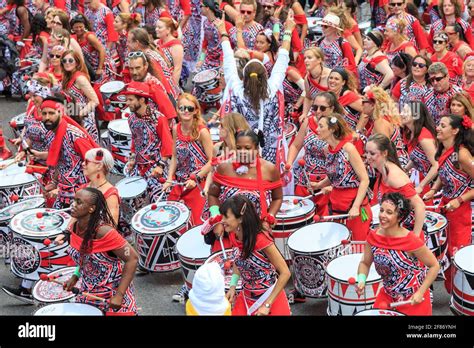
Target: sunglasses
184, 108
437, 79
319, 107
136, 54
451, 33
439, 42
246, 12
267, 7
57, 23
68, 61
54, 56
86, 161
365, 101
419, 65
396, 4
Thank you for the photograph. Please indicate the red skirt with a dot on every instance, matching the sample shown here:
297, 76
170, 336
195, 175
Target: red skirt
423, 308
279, 307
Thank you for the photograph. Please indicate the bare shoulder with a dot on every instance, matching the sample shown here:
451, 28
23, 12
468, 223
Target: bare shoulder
103, 230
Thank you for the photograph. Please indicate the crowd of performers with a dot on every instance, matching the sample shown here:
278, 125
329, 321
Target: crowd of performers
383, 118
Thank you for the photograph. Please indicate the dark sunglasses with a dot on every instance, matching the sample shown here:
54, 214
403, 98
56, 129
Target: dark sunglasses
86, 161
439, 42
419, 65
267, 7
396, 4
246, 12
57, 23
184, 108
68, 61
54, 56
437, 79
451, 33
319, 107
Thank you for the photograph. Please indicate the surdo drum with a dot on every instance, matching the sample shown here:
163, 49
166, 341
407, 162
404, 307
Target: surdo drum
291, 217
111, 94
192, 252
343, 298
15, 181
462, 300
30, 256
375, 216
6, 214
133, 197
231, 255
156, 232
120, 139
436, 238
207, 86
69, 309
17, 123
379, 313
290, 132
45, 292
312, 247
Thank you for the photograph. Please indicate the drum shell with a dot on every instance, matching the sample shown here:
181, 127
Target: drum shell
15, 181
290, 132
462, 297
156, 247
379, 312
190, 263
120, 139
68, 309
130, 204
309, 267
436, 239
116, 100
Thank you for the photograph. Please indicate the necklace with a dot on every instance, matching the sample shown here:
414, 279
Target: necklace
98, 187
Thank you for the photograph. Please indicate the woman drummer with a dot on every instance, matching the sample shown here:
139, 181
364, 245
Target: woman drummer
456, 177
401, 259
262, 268
106, 262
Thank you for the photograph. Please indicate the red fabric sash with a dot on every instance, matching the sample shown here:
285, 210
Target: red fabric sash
445, 156
111, 241
339, 146
313, 125
171, 43
316, 83
244, 183
348, 98
408, 243
73, 79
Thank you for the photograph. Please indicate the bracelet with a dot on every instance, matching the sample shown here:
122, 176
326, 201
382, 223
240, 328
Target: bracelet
361, 278
214, 210
286, 37
269, 218
276, 28
288, 32
162, 164
76, 272
234, 280
224, 35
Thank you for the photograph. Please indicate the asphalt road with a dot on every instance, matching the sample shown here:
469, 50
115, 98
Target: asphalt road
154, 291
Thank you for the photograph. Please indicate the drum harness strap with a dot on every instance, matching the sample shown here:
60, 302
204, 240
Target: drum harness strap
257, 304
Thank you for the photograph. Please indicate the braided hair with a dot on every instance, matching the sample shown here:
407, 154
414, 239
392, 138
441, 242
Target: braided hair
100, 216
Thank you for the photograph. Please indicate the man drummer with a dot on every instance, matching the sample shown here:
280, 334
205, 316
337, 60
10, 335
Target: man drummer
140, 72
151, 138
66, 152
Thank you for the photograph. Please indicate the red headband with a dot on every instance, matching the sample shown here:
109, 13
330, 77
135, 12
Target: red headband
52, 104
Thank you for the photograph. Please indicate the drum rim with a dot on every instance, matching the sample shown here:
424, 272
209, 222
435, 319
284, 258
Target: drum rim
203, 71
121, 83
38, 283
148, 206
196, 228
331, 247
312, 205
131, 178
445, 222
121, 120
459, 267
399, 314
66, 217
345, 281
23, 201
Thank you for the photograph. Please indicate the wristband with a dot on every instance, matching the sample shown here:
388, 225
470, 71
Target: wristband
234, 280
202, 56
361, 278
286, 37
214, 210
224, 35
276, 28
77, 273
288, 32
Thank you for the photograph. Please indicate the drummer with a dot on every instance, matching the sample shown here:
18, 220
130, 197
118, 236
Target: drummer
151, 138
401, 258
106, 262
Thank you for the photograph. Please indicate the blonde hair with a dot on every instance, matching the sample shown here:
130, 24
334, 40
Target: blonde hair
341, 13
318, 52
131, 20
197, 117
233, 123
47, 82
384, 106
401, 26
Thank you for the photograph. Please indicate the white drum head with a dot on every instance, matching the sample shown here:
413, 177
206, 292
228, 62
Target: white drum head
205, 76
112, 87
345, 267
464, 259
191, 244
168, 216
9, 212
29, 225
290, 129
119, 126
69, 309
14, 175
289, 209
375, 214
131, 187
318, 237
50, 292
434, 222
20, 119
379, 312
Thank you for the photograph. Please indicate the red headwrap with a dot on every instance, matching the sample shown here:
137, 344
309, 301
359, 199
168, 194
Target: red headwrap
467, 122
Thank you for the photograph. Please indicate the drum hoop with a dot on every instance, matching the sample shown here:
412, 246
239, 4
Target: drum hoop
186, 212
13, 205
329, 248
459, 267
111, 83
38, 236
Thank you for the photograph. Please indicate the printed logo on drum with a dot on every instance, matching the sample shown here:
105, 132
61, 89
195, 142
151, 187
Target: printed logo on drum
37, 331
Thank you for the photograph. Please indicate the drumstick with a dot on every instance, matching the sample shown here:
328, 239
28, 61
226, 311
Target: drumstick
302, 164
383, 305
46, 278
318, 218
41, 214
2, 167
174, 182
134, 180
76, 291
193, 176
16, 198
309, 196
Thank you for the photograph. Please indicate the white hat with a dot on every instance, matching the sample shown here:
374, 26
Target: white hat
208, 293
331, 20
